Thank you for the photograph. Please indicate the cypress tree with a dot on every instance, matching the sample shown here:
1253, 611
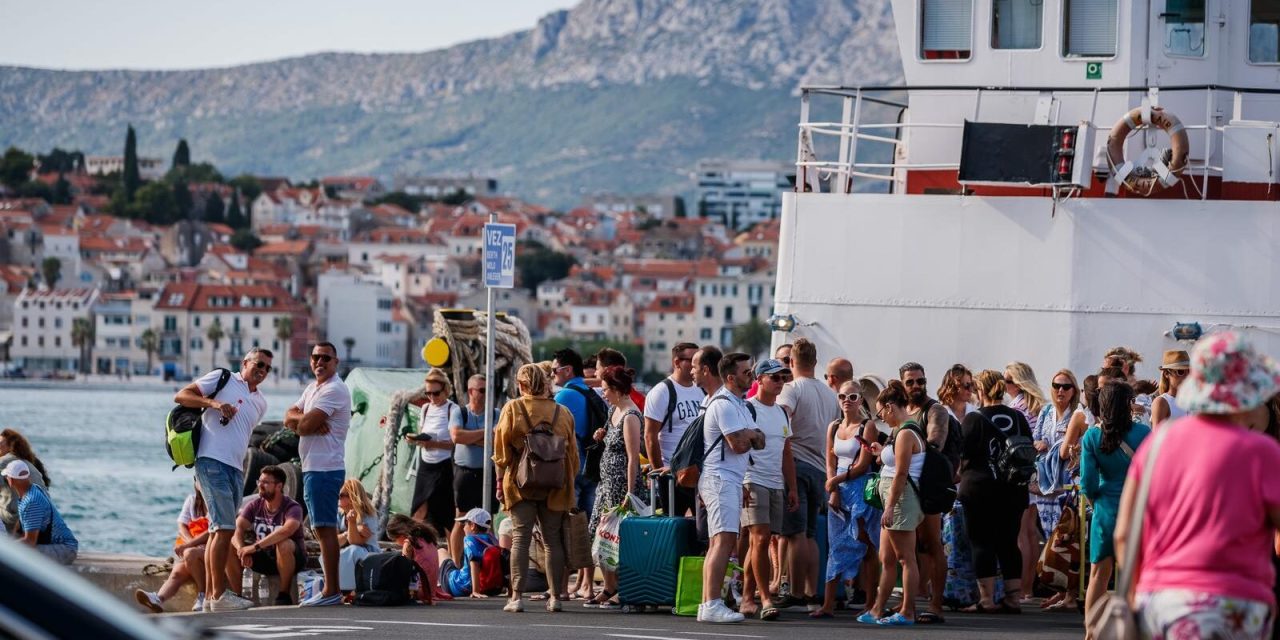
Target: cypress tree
182, 198
214, 209
235, 218
182, 155
132, 179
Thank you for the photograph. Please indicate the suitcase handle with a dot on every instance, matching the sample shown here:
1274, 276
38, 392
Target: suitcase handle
654, 478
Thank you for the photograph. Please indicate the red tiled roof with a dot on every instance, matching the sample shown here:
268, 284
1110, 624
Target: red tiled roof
103, 244
261, 298
671, 303
15, 277
221, 229
286, 248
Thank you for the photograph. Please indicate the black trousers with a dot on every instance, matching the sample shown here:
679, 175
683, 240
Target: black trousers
993, 519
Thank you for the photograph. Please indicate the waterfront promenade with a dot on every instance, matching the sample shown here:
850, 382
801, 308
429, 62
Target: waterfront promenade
485, 619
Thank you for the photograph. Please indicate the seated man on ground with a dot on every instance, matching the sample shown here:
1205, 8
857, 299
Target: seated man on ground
39, 523
460, 581
274, 522
188, 551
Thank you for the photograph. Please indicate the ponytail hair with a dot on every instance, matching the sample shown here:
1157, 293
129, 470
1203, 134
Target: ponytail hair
1115, 415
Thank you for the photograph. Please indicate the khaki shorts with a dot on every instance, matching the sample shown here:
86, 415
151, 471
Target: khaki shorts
907, 514
764, 506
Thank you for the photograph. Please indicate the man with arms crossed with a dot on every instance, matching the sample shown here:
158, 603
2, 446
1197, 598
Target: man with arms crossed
728, 434
321, 417
224, 436
669, 408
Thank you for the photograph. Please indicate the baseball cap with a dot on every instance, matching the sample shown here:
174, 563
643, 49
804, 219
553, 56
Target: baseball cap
477, 516
17, 470
771, 365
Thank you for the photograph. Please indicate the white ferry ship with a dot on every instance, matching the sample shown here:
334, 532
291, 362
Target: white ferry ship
1007, 230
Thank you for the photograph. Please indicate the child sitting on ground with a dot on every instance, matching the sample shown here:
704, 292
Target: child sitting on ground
418, 542
470, 578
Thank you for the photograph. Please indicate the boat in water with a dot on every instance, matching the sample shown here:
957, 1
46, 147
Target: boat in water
1055, 178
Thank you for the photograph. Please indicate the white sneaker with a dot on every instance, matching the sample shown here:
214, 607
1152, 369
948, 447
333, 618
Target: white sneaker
149, 600
514, 606
716, 612
207, 605
231, 602
200, 605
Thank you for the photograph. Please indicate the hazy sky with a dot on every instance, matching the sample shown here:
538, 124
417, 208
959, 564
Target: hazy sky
180, 34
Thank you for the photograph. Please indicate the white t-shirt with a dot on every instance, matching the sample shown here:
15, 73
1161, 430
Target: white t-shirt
767, 470
435, 422
725, 417
326, 452
813, 407
688, 406
188, 512
227, 443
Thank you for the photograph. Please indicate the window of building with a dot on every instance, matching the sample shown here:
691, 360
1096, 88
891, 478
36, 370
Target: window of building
384, 304
39, 341
57, 341
1015, 24
40, 322
57, 323
946, 29
1090, 27
1264, 31
728, 314
170, 323
705, 334
384, 327
257, 322
1184, 28
24, 322
24, 341
195, 321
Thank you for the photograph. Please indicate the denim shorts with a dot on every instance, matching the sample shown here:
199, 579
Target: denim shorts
222, 486
320, 492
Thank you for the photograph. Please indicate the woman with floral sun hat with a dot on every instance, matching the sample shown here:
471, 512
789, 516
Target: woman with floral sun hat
1204, 533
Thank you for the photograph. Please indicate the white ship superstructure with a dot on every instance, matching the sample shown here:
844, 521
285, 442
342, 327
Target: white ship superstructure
986, 244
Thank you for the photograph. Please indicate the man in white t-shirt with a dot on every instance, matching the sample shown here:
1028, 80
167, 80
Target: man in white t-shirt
729, 433
668, 409
321, 418
225, 426
812, 406
770, 484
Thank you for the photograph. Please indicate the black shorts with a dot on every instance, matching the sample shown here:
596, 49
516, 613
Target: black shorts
468, 488
264, 561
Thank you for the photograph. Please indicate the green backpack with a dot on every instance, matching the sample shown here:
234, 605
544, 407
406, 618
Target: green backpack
182, 429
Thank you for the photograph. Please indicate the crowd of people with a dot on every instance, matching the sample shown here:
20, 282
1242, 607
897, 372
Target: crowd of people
790, 463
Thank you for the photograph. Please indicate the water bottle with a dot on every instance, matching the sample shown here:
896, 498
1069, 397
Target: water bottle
246, 584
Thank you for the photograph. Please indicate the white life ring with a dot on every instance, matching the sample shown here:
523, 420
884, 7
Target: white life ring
1156, 168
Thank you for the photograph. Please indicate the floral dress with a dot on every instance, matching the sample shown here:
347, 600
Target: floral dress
1052, 428
613, 470
846, 549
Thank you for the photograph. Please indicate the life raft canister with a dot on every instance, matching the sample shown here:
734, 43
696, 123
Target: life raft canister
1155, 169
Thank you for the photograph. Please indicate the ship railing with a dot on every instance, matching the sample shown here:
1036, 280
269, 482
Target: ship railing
846, 169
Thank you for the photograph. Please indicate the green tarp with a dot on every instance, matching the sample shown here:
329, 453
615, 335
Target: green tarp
372, 392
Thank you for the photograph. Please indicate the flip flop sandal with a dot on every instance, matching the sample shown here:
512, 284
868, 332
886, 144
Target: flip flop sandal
978, 608
749, 611
820, 615
896, 620
770, 613
929, 617
867, 618
537, 597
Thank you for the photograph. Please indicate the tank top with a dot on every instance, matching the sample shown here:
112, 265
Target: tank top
888, 463
1174, 410
846, 450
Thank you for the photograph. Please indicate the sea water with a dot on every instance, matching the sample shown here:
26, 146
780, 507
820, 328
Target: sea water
104, 451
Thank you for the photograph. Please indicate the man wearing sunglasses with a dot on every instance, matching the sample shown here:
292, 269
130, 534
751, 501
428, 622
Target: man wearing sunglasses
321, 418
933, 416
225, 427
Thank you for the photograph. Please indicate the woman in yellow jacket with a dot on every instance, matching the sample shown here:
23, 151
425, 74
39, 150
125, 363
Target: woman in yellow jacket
545, 507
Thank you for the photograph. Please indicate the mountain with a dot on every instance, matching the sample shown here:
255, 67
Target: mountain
612, 95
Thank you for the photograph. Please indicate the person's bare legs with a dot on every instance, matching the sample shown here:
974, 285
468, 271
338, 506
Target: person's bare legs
455, 541
716, 563
904, 547
328, 537
757, 571
178, 577
286, 567
1029, 545
932, 561
216, 567
888, 574
1099, 579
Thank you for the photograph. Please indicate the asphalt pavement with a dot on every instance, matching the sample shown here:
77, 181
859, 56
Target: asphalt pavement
485, 619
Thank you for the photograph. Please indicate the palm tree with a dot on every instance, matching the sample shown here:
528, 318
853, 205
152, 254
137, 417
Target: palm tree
215, 334
150, 342
349, 343
82, 335
752, 336
284, 331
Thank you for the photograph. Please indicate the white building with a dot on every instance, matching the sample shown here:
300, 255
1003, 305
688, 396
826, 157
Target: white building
148, 168
406, 276
360, 312
728, 299
42, 321
666, 321
392, 241
63, 244
247, 316
740, 194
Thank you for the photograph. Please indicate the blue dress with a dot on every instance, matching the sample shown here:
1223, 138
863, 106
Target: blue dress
846, 548
1052, 429
1102, 481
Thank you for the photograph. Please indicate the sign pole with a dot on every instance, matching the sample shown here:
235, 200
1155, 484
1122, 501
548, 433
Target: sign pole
488, 391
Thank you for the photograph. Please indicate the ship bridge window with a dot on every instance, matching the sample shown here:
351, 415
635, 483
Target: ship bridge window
1090, 28
1264, 31
1184, 28
946, 29
1015, 24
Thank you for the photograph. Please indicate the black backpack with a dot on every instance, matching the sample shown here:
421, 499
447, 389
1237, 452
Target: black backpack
597, 418
691, 452
954, 443
382, 579
1016, 464
936, 489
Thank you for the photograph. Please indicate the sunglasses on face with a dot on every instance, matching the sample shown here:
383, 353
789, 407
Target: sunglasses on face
260, 365
344, 495
786, 360
1009, 381
684, 359
851, 397
480, 390
436, 393
321, 357
968, 386
914, 382
1063, 386
1181, 373
266, 483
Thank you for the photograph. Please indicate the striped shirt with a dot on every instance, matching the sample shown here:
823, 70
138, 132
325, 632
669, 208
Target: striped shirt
37, 513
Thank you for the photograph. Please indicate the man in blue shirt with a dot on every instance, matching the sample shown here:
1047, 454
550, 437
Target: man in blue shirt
567, 369
41, 524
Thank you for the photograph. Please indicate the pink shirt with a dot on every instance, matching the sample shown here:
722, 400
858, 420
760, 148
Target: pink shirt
1206, 528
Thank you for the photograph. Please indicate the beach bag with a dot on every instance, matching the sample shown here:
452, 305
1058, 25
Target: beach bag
541, 468
577, 539
689, 586
1111, 618
604, 550
1059, 564
871, 492
182, 429
936, 488
382, 579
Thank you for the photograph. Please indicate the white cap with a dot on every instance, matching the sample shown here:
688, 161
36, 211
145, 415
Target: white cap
477, 516
18, 470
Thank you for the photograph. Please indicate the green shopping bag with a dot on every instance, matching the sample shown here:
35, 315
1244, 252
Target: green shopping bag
689, 584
